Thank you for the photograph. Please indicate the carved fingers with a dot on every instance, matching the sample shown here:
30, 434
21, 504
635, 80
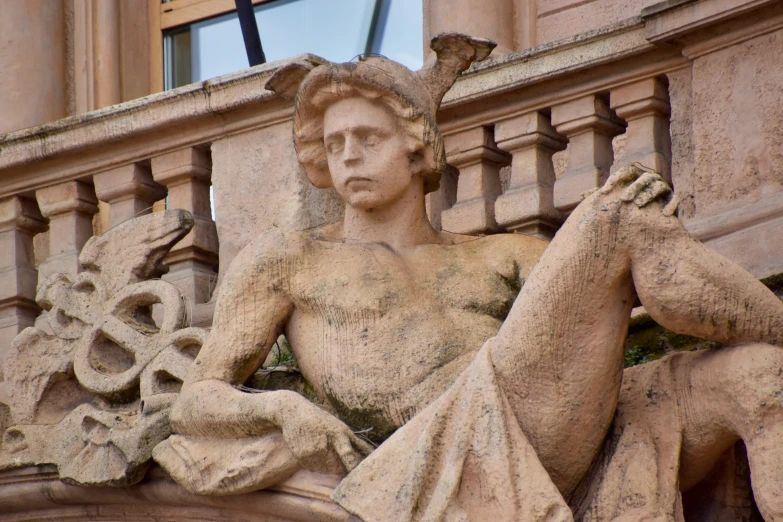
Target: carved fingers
642, 187
627, 174
321, 442
350, 448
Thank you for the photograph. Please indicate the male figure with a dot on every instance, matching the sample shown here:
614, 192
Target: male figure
389, 321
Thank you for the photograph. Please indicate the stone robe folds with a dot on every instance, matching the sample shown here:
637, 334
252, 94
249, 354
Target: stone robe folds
463, 458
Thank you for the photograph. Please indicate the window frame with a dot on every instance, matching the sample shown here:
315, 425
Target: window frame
181, 12
174, 13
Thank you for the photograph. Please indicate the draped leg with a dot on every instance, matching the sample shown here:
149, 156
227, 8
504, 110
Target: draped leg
559, 354
547, 385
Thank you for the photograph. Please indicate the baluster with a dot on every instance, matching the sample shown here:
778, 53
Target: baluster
479, 161
129, 190
442, 199
644, 105
528, 205
589, 126
69, 207
186, 174
20, 220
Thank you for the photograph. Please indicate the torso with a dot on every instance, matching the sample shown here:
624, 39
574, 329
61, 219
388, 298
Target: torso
381, 334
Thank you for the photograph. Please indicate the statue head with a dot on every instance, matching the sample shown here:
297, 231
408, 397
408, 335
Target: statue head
410, 98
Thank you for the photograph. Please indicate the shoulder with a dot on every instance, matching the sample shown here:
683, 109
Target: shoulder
274, 243
271, 247
507, 244
510, 251
518, 245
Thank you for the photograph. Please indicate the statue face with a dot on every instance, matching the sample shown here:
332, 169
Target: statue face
367, 153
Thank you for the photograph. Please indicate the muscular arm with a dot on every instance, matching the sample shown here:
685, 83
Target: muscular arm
253, 307
251, 311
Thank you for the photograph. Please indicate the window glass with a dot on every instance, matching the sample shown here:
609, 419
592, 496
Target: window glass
337, 30
399, 33
334, 29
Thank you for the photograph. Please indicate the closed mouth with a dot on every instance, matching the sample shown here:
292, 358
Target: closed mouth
356, 178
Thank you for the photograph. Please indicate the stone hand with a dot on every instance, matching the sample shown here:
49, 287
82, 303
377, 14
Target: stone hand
320, 441
645, 187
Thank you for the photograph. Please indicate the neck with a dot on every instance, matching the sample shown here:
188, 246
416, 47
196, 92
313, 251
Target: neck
402, 223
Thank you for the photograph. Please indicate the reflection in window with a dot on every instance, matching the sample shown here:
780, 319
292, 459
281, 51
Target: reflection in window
337, 30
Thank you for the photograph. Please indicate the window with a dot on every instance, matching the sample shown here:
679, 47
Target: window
337, 30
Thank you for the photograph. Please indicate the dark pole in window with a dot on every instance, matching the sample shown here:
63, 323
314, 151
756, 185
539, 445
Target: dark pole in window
247, 20
380, 13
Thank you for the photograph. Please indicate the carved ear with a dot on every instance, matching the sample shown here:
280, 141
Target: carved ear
455, 52
286, 80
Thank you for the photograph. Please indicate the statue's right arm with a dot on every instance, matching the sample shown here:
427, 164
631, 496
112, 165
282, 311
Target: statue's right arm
251, 311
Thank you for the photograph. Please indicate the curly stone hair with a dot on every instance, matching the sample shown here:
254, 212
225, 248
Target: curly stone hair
375, 78
413, 97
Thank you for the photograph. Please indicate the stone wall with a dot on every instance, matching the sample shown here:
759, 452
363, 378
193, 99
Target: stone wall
558, 19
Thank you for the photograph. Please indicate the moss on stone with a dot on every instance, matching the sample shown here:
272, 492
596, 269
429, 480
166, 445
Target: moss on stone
648, 341
651, 341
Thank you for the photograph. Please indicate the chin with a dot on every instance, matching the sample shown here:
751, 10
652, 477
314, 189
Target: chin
365, 203
364, 200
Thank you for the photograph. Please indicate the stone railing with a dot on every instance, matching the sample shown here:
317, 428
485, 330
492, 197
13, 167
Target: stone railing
679, 89
526, 154
65, 181
528, 133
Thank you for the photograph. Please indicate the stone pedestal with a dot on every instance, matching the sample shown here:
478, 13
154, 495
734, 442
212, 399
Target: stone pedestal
129, 190
644, 105
589, 126
479, 161
186, 174
528, 204
20, 220
69, 207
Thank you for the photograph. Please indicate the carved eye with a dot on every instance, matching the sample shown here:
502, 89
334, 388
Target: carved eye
371, 140
333, 147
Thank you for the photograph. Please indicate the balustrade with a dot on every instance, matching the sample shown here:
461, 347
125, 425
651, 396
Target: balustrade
129, 190
528, 205
644, 105
536, 201
163, 148
69, 207
474, 153
20, 220
589, 125
186, 174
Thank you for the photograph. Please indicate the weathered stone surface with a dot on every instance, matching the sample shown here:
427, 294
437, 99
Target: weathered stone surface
559, 19
735, 143
93, 398
734, 184
487, 370
246, 168
388, 317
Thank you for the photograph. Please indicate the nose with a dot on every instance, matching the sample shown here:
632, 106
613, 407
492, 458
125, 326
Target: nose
352, 150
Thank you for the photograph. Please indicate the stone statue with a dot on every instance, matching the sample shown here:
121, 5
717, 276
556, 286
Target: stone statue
487, 370
453, 377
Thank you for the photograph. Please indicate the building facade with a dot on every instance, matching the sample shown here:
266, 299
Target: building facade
89, 138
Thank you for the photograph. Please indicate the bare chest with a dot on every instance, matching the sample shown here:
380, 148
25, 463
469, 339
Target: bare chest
373, 281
